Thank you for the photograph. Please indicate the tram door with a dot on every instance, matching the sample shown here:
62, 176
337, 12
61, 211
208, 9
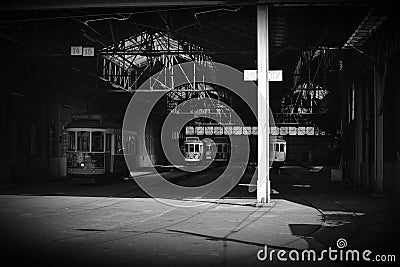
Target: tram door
108, 154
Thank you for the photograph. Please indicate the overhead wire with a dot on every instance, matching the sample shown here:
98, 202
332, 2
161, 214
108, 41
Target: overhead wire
67, 16
218, 9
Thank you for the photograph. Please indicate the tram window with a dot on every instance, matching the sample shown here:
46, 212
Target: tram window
97, 142
271, 147
277, 147
225, 147
219, 148
208, 148
83, 141
108, 142
191, 147
71, 141
282, 147
196, 148
118, 144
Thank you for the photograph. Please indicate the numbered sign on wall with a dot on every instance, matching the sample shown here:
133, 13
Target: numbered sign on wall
88, 51
76, 50
82, 51
273, 75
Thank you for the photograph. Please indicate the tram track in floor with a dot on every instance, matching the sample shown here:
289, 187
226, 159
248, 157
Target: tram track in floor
125, 227
97, 199
121, 228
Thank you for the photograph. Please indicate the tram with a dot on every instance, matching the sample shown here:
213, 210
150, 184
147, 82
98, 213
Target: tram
219, 149
223, 149
194, 150
206, 150
94, 149
277, 148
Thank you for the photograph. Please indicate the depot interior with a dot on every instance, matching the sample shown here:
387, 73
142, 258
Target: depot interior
335, 106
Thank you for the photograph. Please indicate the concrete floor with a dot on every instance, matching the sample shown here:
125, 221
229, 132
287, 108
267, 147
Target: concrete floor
117, 224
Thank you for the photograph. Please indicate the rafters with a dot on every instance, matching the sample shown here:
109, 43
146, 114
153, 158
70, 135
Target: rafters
124, 62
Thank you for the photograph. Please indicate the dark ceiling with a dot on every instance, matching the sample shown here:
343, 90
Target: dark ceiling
227, 32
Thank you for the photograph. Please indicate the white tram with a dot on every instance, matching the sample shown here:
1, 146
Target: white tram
219, 150
277, 148
193, 149
206, 150
223, 149
94, 148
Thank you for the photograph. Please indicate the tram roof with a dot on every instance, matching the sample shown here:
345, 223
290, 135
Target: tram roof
93, 124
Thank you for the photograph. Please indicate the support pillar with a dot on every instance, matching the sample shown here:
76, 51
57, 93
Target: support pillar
378, 131
359, 118
263, 183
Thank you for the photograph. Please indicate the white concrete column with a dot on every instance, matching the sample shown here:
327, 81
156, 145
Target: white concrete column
263, 185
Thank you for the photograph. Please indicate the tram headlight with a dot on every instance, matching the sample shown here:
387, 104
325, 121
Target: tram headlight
82, 164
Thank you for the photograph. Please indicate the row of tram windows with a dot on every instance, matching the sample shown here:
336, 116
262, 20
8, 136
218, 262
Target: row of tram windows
193, 147
93, 141
277, 147
80, 141
221, 148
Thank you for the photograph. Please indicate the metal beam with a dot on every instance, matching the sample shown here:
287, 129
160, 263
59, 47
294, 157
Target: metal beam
169, 52
100, 4
263, 184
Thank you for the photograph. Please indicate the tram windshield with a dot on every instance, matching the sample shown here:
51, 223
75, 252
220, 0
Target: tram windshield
219, 148
225, 148
97, 142
71, 141
83, 140
118, 144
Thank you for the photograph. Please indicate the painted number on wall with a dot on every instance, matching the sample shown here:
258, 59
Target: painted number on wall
88, 51
82, 51
76, 50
